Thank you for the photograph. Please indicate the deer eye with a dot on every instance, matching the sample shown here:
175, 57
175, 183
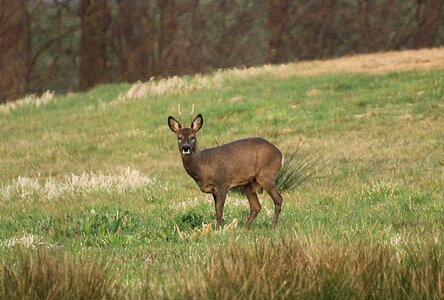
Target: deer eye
192, 137
179, 137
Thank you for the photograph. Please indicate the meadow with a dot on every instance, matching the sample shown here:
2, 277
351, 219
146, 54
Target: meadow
95, 203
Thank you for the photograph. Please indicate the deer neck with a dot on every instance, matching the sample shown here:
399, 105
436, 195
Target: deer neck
192, 163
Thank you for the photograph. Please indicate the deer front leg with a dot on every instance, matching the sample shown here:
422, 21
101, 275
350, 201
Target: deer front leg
219, 201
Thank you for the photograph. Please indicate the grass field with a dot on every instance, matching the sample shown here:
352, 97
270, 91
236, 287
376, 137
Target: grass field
94, 201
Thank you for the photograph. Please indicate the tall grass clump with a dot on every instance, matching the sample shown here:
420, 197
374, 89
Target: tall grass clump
40, 276
291, 269
300, 164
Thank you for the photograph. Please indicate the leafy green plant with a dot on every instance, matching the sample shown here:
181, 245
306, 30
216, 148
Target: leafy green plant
101, 224
192, 219
102, 229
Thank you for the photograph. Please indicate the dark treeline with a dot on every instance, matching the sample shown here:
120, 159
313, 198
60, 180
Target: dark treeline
74, 45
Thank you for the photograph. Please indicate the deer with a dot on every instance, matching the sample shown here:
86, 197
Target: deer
250, 163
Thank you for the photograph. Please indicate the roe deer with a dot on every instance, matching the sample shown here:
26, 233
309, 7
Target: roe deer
250, 163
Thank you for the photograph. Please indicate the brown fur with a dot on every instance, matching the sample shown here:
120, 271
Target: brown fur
250, 163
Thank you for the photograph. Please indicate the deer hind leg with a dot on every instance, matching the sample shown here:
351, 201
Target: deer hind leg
255, 206
268, 184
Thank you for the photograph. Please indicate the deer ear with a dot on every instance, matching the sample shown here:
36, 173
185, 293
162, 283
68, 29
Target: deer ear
174, 124
196, 125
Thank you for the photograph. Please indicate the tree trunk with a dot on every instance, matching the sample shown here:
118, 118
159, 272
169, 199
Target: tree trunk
168, 59
428, 23
366, 40
194, 61
136, 35
277, 11
93, 59
324, 22
15, 49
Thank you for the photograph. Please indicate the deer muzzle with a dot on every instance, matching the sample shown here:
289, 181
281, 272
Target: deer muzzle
186, 149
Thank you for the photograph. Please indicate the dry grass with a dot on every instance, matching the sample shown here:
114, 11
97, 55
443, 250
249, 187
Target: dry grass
291, 269
393, 61
40, 276
25, 188
375, 63
25, 241
45, 98
174, 85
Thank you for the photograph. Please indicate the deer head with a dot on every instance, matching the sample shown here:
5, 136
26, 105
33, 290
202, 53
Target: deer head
186, 136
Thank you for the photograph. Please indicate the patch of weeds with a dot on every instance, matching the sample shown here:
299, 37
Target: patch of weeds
421, 197
151, 197
103, 229
379, 191
94, 228
411, 202
190, 220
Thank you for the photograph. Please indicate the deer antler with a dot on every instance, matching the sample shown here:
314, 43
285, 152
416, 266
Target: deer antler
179, 111
191, 113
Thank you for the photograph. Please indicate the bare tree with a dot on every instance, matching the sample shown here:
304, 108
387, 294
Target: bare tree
429, 16
15, 49
324, 19
120, 40
168, 58
136, 33
192, 45
93, 58
276, 23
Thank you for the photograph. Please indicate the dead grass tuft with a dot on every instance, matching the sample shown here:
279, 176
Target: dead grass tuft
40, 276
30, 100
393, 61
291, 269
25, 188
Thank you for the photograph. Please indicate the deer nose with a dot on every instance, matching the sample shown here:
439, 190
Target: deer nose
186, 149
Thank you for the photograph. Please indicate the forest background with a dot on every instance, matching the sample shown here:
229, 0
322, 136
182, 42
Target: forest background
73, 45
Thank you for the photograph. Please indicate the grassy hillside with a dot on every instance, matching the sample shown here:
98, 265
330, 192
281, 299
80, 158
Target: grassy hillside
92, 185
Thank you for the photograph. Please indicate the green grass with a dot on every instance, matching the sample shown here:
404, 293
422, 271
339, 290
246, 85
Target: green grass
99, 182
